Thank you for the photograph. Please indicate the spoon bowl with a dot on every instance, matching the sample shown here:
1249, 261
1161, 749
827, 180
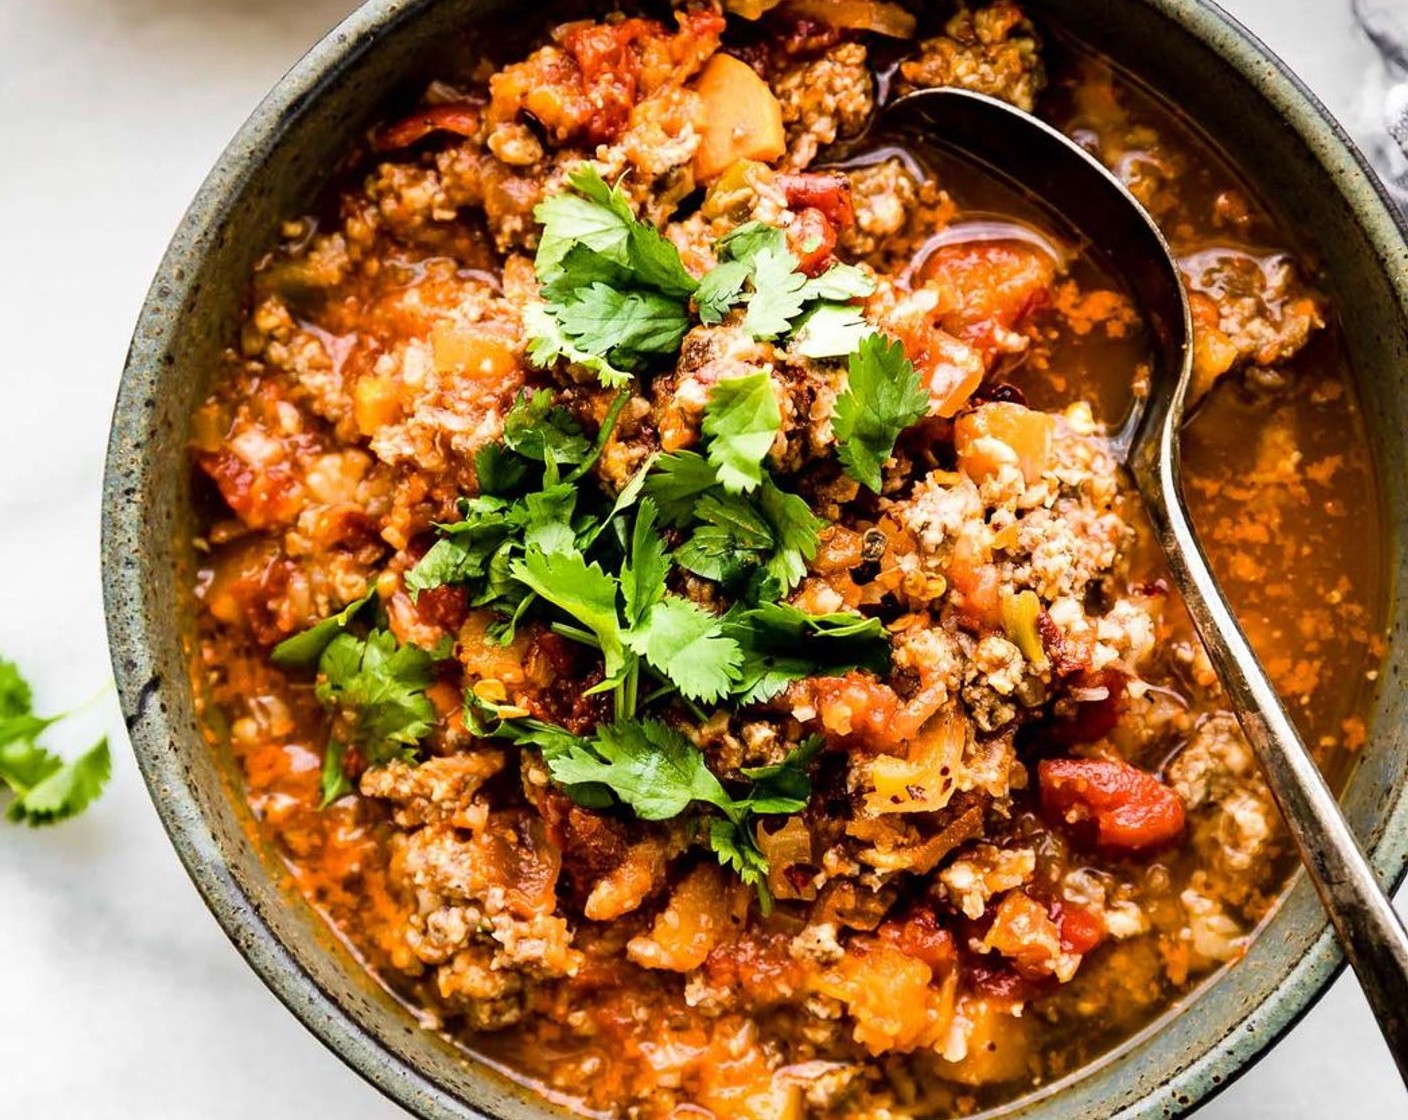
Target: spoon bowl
1084, 195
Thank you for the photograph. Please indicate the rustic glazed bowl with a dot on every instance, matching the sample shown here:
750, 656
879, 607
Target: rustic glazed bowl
1226, 81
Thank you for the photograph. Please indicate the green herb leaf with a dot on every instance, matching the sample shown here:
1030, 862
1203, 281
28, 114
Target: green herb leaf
65, 790
778, 293
380, 685
720, 290
781, 644
830, 330
741, 420
883, 397
736, 846
643, 577
548, 344
744, 243
537, 429
584, 592
652, 768
46, 789
686, 644
797, 532
334, 781
676, 482
839, 283
626, 327
303, 650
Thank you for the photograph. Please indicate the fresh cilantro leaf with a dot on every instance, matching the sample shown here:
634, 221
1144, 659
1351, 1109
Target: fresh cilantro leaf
744, 243
499, 471
740, 421
380, 686
676, 482
334, 781
624, 326
777, 293
456, 559
782, 644
548, 344
652, 768
581, 268
784, 782
738, 517
65, 790
736, 846
720, 290
687, 645
617, 292
643, 577
829, 330
466, 547
607, 226
839, 283
16, 698
537, 429
732, 543
46, 789
797, 532
303, 650
595, 216
712, 553
584, 592
883, 397
547, 519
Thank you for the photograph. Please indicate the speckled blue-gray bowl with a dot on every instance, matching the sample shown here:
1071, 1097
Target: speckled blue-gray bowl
1227, 82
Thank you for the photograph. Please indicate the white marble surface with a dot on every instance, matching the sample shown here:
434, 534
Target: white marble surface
119, 996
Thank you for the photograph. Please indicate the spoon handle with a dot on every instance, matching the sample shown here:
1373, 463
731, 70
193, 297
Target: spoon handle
1372, 935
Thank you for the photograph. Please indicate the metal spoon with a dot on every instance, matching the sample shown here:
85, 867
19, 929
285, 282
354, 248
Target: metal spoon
1058, 172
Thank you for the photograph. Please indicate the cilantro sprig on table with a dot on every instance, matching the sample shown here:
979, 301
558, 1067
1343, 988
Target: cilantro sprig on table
45, 788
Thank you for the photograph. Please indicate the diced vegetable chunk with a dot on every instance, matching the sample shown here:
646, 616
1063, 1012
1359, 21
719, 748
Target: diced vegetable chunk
742, 119
1129, 807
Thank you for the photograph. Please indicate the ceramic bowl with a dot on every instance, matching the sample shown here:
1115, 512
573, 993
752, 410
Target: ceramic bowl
1241, 95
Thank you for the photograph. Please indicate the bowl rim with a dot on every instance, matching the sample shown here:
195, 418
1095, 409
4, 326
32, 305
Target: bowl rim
153, 737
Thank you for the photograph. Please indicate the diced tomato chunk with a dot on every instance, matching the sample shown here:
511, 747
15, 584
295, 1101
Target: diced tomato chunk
988, 288
1081, 929
827, 191
459, 117
1128, 807
920, 936
1094, 718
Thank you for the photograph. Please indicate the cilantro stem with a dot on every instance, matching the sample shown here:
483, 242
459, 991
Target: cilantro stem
586, 637
608, 425
663, 691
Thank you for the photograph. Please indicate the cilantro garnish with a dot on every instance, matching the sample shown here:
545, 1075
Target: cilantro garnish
618, 298
741, 422
46, 789
617, 295
757, 271
883, 397
303, 650
378, 685
655, 771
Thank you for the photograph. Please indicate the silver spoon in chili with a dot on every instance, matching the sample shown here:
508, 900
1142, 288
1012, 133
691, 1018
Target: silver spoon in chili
1044, 163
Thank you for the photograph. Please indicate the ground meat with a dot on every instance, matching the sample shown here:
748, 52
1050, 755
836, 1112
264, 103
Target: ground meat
1247, 311
823, 99
992, 50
